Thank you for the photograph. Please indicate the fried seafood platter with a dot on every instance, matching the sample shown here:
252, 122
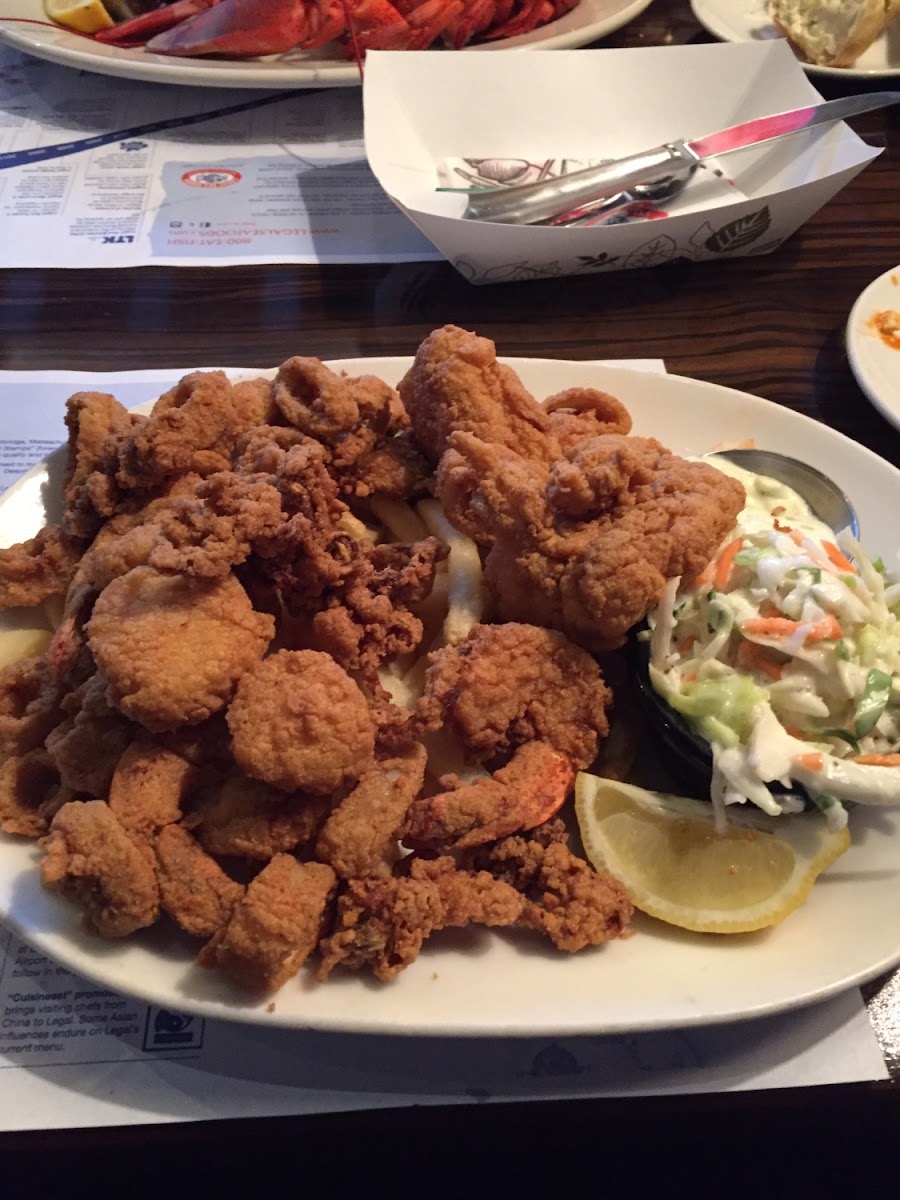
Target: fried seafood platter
322, 659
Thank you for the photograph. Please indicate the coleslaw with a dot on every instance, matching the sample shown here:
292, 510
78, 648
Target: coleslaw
784, 654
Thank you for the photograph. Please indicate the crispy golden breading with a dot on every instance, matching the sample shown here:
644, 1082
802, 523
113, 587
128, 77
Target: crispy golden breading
193, 888
566, 899
359, 838
300, 723
382, 923
194, 428
456, 383
367, 617
150, 784
530, 789
578, 413
111, 875
30, 793
30, 704
173, 647
275, 926
244, 818
95, 420
33, 571
587, 543
349, 416
88, 744
509, 684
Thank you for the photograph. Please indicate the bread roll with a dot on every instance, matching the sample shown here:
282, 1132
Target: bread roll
833, 33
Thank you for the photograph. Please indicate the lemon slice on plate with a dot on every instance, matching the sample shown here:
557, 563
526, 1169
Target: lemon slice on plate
677, 868
84, 16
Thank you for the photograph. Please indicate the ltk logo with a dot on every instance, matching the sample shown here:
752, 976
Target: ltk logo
166, 1030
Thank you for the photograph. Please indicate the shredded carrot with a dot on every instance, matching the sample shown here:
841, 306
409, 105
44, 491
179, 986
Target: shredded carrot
827, 628
691, 677
705, 577
768, 609
812, 762
798, 537
725, 563
777, 627
877, 760
840, 560
795, 732
753, 658
686, 644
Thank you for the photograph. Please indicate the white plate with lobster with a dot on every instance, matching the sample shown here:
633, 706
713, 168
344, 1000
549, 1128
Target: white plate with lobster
480, 981
24, 25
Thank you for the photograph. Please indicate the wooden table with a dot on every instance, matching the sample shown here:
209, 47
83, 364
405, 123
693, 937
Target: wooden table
771, 325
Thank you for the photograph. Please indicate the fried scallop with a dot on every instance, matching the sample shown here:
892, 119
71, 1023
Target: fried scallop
300, 723
172, 647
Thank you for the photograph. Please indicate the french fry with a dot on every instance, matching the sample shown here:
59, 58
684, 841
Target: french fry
747, 443
22, 643
466, 594
397, 688
432, 611
357, 528
399, 519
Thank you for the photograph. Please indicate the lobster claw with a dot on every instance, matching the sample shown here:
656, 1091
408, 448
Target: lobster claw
247, 28
140, 30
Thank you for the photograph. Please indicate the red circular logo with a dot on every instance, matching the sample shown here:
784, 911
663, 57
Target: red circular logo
211, 177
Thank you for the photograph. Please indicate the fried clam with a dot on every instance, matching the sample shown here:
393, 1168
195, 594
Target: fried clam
359, 838
245, 818
193, 888
275, 926
90, 858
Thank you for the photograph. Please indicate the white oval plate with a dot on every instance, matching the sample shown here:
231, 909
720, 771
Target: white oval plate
748, 21
875, 364
485, 982
592, 19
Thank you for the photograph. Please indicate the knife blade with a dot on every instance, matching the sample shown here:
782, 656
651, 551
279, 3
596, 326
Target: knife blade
531, 203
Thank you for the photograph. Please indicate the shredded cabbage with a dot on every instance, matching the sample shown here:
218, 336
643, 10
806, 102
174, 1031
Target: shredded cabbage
789, 667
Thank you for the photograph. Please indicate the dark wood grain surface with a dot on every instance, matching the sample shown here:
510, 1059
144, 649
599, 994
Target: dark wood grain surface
773, 326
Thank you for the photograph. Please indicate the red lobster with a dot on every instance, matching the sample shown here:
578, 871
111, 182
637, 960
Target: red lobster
247, 28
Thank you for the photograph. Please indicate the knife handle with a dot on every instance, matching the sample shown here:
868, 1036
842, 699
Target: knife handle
529, 203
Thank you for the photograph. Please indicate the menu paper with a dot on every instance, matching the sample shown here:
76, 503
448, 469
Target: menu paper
97, 171
74, 1054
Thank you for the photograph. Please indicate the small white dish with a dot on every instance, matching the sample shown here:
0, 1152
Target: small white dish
874, 360
749, 21
326, 67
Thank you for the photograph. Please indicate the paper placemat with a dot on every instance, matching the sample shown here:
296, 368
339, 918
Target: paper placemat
103, 172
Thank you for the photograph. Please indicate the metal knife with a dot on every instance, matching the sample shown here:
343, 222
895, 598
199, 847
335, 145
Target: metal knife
531, 203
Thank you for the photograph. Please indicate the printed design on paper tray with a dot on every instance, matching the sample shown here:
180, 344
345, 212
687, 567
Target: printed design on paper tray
659, 249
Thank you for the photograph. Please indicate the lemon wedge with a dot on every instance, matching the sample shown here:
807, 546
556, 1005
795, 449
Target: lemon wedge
84, 16
677, 868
